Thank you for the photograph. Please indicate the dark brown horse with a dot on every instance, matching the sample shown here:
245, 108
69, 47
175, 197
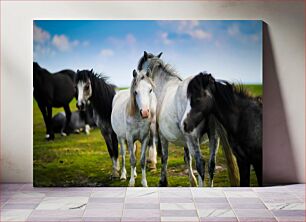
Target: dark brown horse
53, 90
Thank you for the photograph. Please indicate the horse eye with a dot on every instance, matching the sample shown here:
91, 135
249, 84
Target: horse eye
135, 93
150, 90
87, 87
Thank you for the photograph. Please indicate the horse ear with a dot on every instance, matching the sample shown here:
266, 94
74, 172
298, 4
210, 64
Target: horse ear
134, 73
91, 70
78, 70
211, 78
160, 54
145, 54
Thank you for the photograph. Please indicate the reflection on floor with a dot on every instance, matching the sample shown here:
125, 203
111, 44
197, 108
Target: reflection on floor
22, 202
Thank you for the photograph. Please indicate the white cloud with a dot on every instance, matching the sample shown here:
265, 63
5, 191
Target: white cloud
190, 28
165, 39
235, 32
40, 35
62, 43
129, 39
85, 43
106, 52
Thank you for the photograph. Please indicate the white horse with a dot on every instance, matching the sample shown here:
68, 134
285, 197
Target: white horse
134, 118
173, 106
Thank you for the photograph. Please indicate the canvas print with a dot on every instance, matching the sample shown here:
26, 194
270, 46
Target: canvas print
147, 103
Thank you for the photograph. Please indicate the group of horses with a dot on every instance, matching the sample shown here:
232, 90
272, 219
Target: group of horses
160, 107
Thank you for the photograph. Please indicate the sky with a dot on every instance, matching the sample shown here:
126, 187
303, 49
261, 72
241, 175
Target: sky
228, 49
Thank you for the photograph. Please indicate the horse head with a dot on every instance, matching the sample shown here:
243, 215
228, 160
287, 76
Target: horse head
84, 88
142, 92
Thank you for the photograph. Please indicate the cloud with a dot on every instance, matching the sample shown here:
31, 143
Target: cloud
165, 39
40, 35
85, 43
128, 39
235, 32
62, 43
191, 29
106, 52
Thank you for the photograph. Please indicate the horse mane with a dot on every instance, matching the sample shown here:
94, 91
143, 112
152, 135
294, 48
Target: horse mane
227, 91
158, 63
102, 92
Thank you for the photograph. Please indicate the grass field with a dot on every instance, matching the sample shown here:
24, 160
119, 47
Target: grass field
81, 160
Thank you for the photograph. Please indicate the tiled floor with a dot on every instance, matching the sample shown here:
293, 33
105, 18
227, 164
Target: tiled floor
22, 202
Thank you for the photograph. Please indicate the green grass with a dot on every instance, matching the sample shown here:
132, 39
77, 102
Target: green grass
81, 160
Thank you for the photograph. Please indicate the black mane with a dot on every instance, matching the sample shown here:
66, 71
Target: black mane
224, 91
102, 92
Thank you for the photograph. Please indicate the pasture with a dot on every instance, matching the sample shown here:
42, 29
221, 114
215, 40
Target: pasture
83, 160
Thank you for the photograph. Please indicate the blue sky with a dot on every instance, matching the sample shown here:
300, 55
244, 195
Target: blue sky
230, 50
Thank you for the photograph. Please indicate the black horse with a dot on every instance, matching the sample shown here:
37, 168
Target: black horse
93, 88
239, 113
80, 121
53, 90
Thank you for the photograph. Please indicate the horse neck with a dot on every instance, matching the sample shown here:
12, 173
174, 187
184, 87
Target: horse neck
102, 103
161, 80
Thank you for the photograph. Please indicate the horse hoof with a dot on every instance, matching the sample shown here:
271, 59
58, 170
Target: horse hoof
131, 183
144, 183
63, 134
152, 167
115, 174
47, 136
50, 138
163, 183
123, 177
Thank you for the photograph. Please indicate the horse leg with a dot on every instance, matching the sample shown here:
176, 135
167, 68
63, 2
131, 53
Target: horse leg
194, 148
258, 170
43, 110
152, 147
132, 161
163, 182
68, 118
49, 122
109, 144
188, 161
213, 148
86, 118
123, 153
115, 150
244, 171
144, 145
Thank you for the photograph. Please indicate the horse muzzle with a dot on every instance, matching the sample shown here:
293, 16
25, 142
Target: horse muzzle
144, 113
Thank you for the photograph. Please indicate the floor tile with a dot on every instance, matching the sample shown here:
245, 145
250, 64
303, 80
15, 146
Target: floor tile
103, 213
178, 219
141, 213
19, 206
224, 205
207, 192
210, 200
14, 214
56, 213
141, 200
176, 200
175, 193
177, 206
216, 213
289, 213
104, 206
253, 213
109, 193
218, 219
141, 206
141, 219
101, 219
62, 203
285, 206
106, 200
240, 193
178, 213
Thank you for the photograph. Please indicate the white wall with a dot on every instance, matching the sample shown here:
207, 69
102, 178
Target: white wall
284, 100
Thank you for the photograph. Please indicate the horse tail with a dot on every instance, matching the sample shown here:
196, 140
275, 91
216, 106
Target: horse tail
232, 167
